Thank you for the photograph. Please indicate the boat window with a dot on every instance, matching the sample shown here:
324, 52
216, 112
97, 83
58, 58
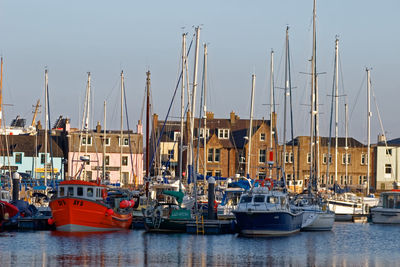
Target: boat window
283, 201
90, 192
246, 199
98, 192
259, 198
70, 191
61, 191
272, 200
390, 202
79, 191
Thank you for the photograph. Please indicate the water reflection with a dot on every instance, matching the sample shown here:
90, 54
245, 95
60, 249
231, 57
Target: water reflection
346, 245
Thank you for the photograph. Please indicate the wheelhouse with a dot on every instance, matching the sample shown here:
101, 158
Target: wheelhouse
82, 189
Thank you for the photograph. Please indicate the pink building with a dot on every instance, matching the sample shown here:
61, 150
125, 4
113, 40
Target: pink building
122, 157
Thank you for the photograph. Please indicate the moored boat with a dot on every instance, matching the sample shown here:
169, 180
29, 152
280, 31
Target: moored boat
388, 210
82, 206
267, 212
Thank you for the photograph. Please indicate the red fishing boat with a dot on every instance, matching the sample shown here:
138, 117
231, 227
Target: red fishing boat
82, 206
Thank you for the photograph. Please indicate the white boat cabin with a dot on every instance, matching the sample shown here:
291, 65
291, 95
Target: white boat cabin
80, 191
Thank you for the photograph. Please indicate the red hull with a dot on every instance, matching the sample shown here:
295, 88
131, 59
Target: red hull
72, 214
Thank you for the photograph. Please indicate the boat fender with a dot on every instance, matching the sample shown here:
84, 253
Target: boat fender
109, 212
148, 212
124, 204
157, 212
104, 193
215, 205
50, 221
324, 208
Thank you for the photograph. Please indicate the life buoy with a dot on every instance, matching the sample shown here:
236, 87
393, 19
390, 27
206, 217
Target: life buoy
104, 193
215, 205
271, 183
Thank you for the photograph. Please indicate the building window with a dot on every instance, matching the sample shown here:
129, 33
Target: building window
177, 136
124, 161
107, 141
217, 155
171, 154
262, 137
389, 151
125, 141
262, 156
209, 173
87, 142
344, 159
125, 178
107, 160
88, 176
288, 157
388, 170
217, 173
223, 133
88, 162
18, 158
210, 155
201, 135
308, 158
262, 175
43, 159
363, 159
324, 159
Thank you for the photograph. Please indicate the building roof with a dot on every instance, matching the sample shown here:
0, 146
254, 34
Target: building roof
324, 141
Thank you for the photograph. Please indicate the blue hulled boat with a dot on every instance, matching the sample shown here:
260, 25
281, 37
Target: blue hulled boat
262, 211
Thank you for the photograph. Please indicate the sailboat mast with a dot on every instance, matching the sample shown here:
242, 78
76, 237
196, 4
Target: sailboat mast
272, 111
345, 140
182, 109
105, 140
87, 120
1, 91
46, 126
253, 84
368, 125
121, 139
192, 113
147, 130
205, 114
285, 104
336, 106
313, 113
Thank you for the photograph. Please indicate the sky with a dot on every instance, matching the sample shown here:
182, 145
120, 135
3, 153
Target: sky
71, 38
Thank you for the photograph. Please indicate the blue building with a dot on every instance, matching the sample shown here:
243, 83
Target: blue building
26, 154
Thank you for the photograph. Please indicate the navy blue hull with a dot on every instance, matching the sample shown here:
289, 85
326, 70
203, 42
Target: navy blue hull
268, 223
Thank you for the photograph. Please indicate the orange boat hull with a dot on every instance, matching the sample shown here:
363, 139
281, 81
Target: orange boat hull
82, 215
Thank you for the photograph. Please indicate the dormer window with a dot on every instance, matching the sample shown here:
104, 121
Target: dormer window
223, 133
125, 141
201, 135
262, 137
87, 141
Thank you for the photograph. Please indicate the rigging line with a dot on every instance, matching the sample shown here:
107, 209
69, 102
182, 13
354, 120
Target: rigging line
169, 109
129, 134
379, 114
358, 96
143, 104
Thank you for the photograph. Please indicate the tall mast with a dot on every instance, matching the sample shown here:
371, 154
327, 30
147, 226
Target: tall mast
87, 119
121, 139
1, 91
46, 125
368, 124
285, 103
253, 84
147, 130
345, 140
105, 140
336, 106
272, 111
182, 109
205, 113
313, 140
191, 155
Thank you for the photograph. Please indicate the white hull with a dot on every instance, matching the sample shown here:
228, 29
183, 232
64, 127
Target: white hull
82, 228
267, 232
323, 221
385, 216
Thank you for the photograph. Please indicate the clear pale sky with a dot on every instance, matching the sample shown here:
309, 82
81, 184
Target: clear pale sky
104, 37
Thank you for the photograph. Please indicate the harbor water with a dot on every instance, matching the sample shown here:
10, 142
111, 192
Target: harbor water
348, 244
